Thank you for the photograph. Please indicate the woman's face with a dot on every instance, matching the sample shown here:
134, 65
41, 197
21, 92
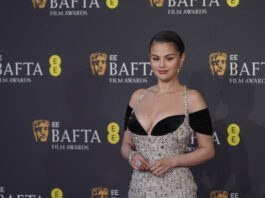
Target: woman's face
165, 60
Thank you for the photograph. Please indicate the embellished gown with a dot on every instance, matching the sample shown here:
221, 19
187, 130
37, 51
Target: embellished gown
169, 137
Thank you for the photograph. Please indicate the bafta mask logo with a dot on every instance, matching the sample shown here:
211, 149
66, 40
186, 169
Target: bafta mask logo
217, 62
219, 194
99, 192
156, 3
41, 130
39, 3
98, 63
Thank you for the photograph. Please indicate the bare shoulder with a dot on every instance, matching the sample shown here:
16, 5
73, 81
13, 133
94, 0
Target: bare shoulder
195, 100
135, 95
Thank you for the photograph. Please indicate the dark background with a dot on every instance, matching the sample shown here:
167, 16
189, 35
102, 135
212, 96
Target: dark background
77, 99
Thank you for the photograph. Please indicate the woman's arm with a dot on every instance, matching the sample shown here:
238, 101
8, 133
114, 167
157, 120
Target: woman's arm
204, 152
205, 149
127, 144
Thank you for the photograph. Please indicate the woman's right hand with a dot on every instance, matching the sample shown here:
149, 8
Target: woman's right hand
138, 157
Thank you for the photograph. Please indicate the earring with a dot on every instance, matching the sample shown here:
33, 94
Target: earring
180, 67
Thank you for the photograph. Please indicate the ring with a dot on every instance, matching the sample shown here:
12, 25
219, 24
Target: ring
138, 163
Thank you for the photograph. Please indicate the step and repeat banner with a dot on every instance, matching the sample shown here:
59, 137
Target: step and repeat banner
69, 67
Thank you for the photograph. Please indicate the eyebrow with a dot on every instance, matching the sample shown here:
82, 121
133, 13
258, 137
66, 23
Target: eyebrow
165, 55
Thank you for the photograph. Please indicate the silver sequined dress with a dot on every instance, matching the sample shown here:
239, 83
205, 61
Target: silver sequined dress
177, 182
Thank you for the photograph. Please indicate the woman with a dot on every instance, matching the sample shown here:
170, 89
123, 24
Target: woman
159, 123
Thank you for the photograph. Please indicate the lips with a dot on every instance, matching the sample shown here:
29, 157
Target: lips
162, 71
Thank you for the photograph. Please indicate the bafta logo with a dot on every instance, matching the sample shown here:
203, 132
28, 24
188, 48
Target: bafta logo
39, 3
41, 130
98, 62
156, 3
219, 194
217, 62
99, 192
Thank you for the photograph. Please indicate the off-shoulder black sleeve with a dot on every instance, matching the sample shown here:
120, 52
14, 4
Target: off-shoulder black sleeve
126, 117
200, 121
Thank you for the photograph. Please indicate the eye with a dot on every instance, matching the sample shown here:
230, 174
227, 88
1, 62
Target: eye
170, 58
155, 59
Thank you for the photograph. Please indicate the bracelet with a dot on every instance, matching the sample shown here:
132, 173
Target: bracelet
130, 156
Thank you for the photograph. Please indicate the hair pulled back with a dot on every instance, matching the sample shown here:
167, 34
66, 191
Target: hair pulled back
168, 37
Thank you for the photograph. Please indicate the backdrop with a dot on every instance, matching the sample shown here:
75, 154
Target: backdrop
69, 67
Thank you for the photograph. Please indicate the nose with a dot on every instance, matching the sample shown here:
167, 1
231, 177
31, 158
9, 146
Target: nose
161, 64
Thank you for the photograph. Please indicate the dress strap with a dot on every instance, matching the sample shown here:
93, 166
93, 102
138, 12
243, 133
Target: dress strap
185, 100
140, 98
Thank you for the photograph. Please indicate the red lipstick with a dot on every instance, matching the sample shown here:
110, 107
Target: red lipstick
162, 71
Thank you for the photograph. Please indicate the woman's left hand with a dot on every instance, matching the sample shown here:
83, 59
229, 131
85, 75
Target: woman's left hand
158, 167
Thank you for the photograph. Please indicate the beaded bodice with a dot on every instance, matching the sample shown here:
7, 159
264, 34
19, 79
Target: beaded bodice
173, 143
